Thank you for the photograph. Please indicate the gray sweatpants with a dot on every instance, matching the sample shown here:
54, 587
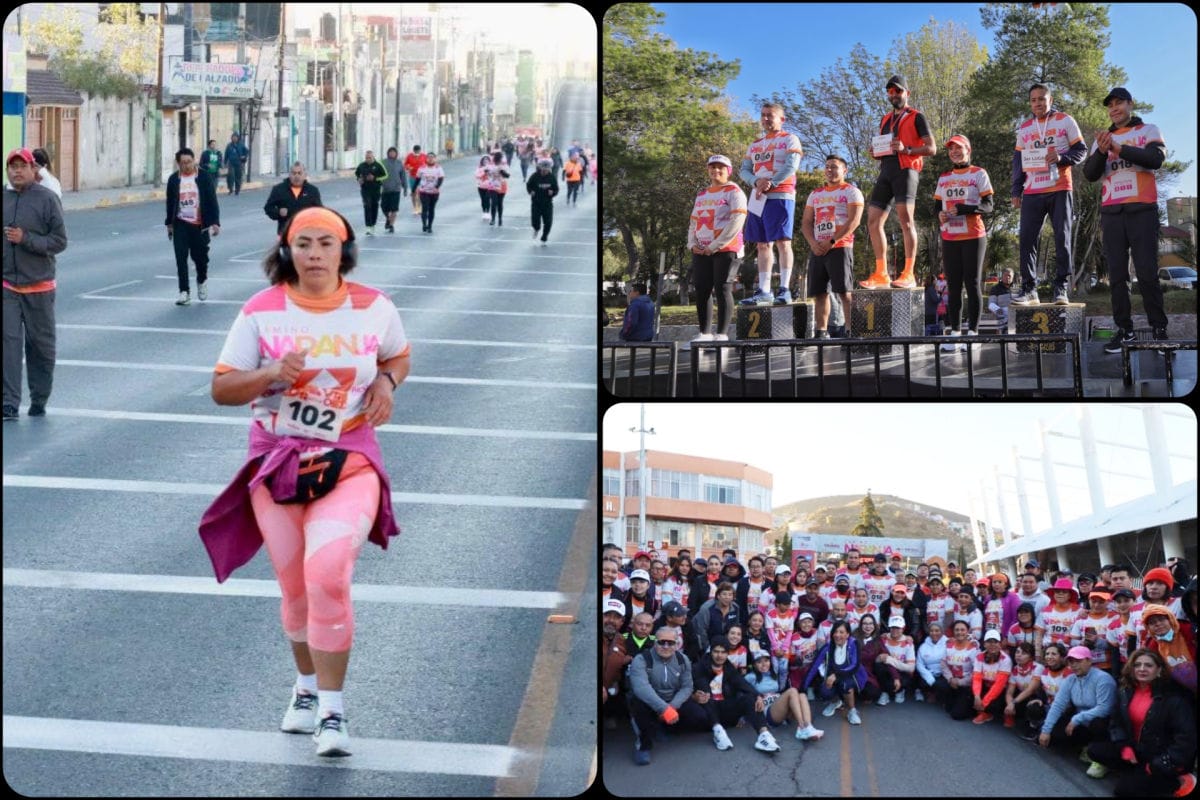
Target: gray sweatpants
28, 327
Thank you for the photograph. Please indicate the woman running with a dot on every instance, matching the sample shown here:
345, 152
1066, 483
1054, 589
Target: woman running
780, 704
497, 187
483, 184
430, 179
313, 486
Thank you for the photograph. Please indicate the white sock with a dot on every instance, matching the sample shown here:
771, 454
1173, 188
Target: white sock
306, 683
764, 281
785, 275
718, 727
329, 702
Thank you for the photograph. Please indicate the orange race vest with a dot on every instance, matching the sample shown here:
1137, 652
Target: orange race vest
908, 135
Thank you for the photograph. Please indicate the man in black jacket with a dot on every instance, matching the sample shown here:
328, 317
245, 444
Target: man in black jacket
289, 196
749, 588
370, 175
720, 695
192, 214
542, 188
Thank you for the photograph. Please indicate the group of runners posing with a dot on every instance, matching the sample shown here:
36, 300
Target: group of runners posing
706, 646
1048, 144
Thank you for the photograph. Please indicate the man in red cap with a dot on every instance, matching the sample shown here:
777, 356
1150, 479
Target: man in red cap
904, 139
34, 234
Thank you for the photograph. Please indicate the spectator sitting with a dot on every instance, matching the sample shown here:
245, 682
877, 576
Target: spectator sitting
1000, 298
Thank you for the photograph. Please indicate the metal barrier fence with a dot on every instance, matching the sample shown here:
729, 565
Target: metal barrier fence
670, 373
1166, 349
792, 345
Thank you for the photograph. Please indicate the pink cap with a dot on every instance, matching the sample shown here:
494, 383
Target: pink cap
1080, 652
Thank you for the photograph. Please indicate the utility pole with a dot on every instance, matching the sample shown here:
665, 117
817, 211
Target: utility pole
282, 137
201, 18
641, 429
162, 13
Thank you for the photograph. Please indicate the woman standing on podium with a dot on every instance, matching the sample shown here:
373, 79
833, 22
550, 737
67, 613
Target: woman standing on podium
715, 239
963, 193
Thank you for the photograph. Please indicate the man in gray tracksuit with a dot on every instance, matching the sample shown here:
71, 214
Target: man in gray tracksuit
33, 234
661, 682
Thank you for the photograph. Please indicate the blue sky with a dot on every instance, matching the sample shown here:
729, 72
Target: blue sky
1154, 43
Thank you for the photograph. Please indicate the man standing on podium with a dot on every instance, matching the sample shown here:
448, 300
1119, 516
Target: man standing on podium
904, 139
831, 214
769, 168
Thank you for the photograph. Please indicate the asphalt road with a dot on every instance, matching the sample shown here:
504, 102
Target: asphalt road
127, 673
909, 750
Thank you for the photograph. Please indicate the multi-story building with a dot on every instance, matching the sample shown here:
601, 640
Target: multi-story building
702, 504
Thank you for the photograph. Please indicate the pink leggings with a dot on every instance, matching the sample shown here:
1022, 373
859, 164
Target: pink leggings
313, 548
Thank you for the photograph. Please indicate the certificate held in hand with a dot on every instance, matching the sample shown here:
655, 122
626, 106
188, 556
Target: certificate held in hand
1033, 159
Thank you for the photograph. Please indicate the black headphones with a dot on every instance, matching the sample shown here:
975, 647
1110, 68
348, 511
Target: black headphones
349, 248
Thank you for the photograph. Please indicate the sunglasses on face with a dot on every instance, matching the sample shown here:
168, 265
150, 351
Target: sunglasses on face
665, 643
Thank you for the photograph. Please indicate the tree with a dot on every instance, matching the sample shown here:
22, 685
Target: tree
663, 115
783, 548
123, 61
869, 521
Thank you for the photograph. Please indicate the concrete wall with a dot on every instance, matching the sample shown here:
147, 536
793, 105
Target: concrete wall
112, 142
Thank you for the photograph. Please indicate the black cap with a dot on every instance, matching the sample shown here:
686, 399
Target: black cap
898, 82
813, 582
1123, 593
1119, 93
881, 557
1086, 576
673, 609
784, 598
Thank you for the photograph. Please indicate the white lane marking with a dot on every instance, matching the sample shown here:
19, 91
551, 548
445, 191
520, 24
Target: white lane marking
214, 419
114, 286
212, 490
540, 314
225, 332
242, 587
591, 274
66, 362
451, 252
474, 289
253, 747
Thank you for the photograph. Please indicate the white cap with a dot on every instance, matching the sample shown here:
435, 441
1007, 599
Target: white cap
720, 160
993, 636
639, 573
805, 615
896, 622
614, 605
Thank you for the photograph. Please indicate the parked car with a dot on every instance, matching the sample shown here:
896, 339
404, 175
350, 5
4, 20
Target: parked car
1177, 277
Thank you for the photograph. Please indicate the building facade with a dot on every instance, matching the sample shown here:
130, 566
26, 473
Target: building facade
701, 504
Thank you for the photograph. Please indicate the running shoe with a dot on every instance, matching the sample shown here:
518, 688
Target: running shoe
920, 698
37, 409
202, 291
370, 230
782, 297
883, 700
953, 343
720, 337
808, 733
1010, 721
185, 299
1030, 735
1160, 335
1029, 298
853, 717
486, 215
824, 334
1187, 785
721, 738
1060, 296
10, 413
703, 337
900, 696
332, 736
1120, 338
1083, 755
982, 717
641, 757
543, 243
301, 714
766, 742
812, 695
535, 233
905, 281
1097, 770
876, 281
759, 298
831, 708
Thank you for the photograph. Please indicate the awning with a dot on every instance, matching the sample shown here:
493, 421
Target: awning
1175, 505
44, 88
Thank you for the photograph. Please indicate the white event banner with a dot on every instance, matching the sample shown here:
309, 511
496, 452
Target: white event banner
869, 546
195, 78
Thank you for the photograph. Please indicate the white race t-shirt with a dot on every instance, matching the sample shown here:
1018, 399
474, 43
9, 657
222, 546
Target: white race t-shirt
428, 177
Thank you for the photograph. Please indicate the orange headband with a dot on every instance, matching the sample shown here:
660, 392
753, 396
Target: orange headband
320, 218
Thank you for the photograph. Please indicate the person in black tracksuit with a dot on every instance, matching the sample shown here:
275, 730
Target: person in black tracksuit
370, 175
188, 225
289, 196
738, 696
542, 187
1125, 156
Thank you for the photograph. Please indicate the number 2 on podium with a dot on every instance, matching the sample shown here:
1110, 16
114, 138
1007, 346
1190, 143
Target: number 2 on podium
755, 318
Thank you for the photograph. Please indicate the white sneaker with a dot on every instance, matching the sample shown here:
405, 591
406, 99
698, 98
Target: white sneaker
900, 696
544, 243
301, 715
332, 736
703, 337
766, 742
954, 344
486, 216
535, 233
721, 738
832, 708
920, 698
811, 694
720, 337
184, 299
808, 733
853, 717
883, 700
202, 291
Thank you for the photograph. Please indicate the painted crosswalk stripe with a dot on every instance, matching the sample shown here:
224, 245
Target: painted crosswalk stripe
242, 587
253, 747
211, 490
69, 362
473, 289
538, 314
241, 421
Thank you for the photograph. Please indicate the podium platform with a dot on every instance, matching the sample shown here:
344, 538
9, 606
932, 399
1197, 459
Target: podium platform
885, 313
793, 321
1045, 318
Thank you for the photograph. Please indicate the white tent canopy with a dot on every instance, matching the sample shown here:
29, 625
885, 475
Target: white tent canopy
1175, 505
